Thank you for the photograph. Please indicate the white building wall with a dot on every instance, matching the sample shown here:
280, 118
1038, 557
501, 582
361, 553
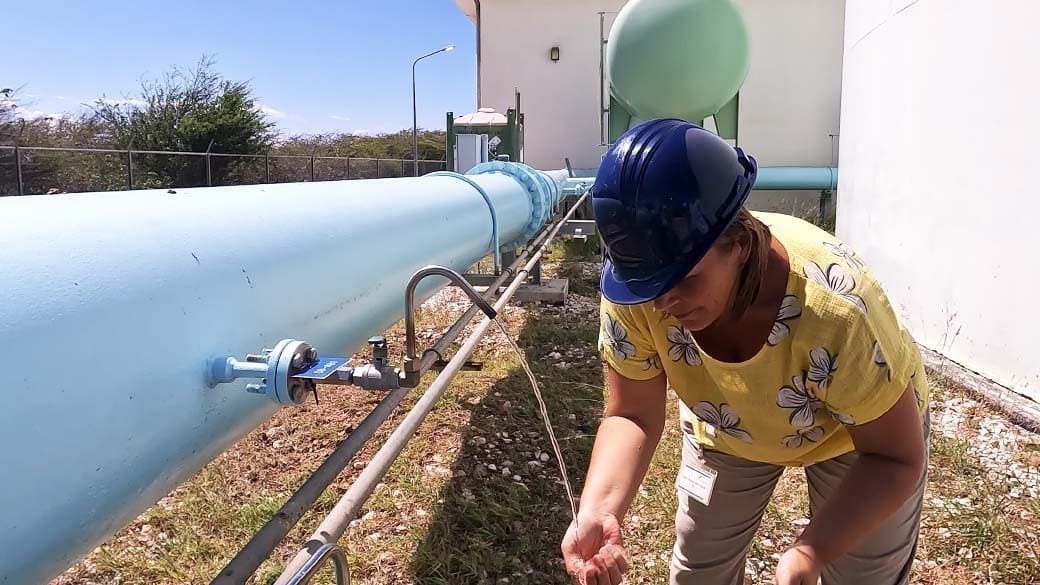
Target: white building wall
939, 118
789, 103
560, 100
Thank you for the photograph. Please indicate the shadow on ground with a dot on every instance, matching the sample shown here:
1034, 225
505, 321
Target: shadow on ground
504, 511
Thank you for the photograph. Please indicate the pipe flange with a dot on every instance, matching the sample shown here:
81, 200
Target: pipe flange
288, 358
543, 191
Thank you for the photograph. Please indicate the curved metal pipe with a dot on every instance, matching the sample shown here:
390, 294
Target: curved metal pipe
411, 362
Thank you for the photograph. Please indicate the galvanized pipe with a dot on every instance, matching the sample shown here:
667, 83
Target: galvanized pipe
347, 508
136, 292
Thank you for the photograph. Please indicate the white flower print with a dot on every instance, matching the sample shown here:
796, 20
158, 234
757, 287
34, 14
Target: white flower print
683, 346
617, 338
879, 360
837, 280
801, 400
652, 363
841, 418
722, 418
789, 309
800, 436
842, 250
821, 365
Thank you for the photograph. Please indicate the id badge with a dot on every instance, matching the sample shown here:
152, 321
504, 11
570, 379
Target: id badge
697, 481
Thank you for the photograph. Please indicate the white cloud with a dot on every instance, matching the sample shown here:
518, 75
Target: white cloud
271, 112
30, 115
339, 117
121, 102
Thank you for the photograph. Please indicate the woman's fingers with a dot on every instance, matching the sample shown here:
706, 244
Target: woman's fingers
596, 572
613, 571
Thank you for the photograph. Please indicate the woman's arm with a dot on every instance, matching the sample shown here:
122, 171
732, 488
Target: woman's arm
892, 458
632, 424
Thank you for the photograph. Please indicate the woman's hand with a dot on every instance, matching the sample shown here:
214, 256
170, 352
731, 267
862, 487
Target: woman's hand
593, 552
798, 566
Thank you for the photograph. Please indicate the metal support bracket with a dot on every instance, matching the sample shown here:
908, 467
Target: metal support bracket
579, 227
491, 207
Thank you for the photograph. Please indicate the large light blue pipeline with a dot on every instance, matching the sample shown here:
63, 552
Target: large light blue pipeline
114, 302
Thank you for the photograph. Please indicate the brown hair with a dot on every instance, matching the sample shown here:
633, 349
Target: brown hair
756, 238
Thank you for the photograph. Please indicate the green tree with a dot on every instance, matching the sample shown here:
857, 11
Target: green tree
191, 110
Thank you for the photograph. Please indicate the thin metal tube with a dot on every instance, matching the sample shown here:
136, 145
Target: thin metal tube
436, 352
409, 303
346, 510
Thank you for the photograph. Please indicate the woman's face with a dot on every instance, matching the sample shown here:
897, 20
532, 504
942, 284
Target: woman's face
707, 292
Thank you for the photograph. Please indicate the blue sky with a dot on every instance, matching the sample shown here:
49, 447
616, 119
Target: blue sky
315, 65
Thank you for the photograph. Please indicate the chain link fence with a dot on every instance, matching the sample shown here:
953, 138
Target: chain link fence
34, 170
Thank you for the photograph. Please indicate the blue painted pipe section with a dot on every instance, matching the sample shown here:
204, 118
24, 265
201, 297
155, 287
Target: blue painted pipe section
796, 179
769, 178
114, 302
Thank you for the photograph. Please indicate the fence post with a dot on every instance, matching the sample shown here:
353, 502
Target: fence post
267, 167
377, 168
209, 171
404, 173
348, 167
129, 169
312, 168
18, 169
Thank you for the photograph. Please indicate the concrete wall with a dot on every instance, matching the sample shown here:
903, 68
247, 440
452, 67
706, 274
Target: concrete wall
560, 100
939, 118
789, 104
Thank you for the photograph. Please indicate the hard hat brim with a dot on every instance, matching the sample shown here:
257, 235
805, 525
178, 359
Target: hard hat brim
620, 293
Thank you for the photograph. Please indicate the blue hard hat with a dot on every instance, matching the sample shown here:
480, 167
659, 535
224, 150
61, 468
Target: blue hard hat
664, 192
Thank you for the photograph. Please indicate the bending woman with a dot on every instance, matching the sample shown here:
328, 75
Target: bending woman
783, 351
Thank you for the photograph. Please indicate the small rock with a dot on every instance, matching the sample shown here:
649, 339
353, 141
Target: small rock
800, 522
517, 478
572, 417
492, 467
543, 457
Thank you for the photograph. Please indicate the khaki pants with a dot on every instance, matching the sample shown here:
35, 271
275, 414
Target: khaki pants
712, 542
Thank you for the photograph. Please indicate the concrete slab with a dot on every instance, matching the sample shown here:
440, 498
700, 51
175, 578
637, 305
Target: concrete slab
551, 291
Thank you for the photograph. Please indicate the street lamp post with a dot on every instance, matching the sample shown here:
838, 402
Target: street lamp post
415, 124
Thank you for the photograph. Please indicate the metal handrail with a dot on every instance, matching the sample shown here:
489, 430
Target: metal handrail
190, 153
